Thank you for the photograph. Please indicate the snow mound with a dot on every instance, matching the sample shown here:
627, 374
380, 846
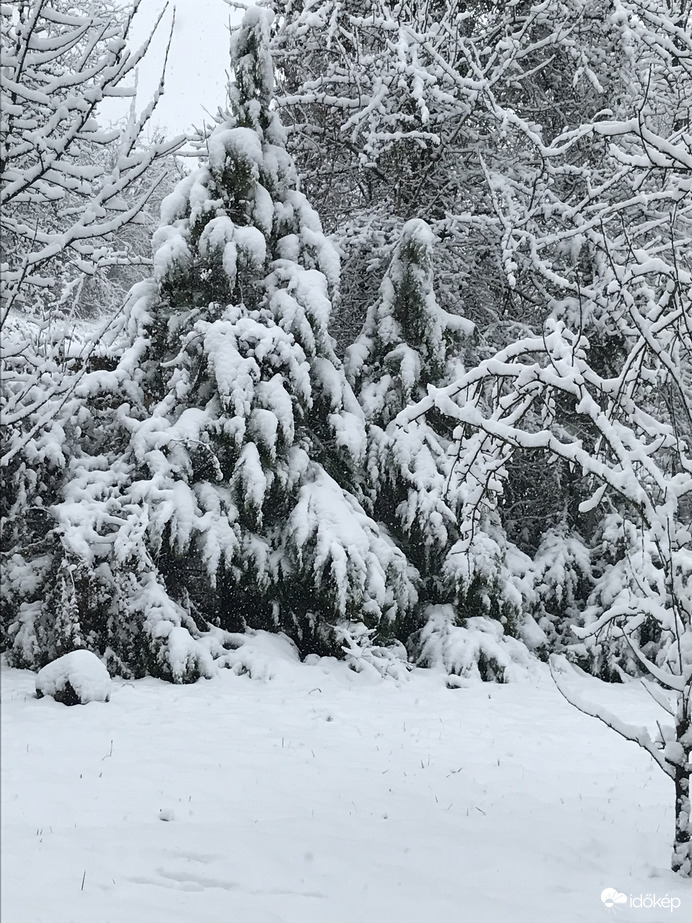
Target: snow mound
74, 679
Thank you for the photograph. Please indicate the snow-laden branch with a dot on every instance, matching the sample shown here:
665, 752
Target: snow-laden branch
559, 668
57, 68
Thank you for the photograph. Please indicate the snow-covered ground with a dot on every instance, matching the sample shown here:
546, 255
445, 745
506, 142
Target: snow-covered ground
311, 794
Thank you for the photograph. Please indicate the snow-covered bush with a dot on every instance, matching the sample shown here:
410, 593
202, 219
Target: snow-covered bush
260, 655
75, 679
476, 649
491, 578
364, 655
87, 578
68, 189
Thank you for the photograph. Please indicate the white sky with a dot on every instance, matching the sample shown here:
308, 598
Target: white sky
198, 62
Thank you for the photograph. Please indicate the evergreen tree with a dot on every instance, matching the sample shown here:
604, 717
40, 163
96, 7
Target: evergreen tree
237, 509
409, 342
408, 345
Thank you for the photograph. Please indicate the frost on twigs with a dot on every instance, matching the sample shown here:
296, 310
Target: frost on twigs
74, 679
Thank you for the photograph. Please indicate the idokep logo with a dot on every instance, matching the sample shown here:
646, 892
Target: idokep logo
611, 897
616, 900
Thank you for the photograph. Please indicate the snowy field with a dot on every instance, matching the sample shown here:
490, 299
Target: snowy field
311, 794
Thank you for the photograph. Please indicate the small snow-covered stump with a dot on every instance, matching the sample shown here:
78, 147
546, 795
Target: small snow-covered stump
74, 679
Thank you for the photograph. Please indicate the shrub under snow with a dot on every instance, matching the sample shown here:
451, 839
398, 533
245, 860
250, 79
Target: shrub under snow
75, 679
477, 649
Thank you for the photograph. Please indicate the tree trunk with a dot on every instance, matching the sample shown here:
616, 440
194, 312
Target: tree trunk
682, 849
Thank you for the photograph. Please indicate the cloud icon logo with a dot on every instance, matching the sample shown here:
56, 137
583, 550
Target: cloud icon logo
611, 897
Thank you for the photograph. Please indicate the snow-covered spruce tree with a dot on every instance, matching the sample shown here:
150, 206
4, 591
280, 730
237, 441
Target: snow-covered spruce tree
230, 505
253, 413
561, 578
408, 344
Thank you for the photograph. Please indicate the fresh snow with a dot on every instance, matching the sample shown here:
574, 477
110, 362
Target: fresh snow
288, 792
